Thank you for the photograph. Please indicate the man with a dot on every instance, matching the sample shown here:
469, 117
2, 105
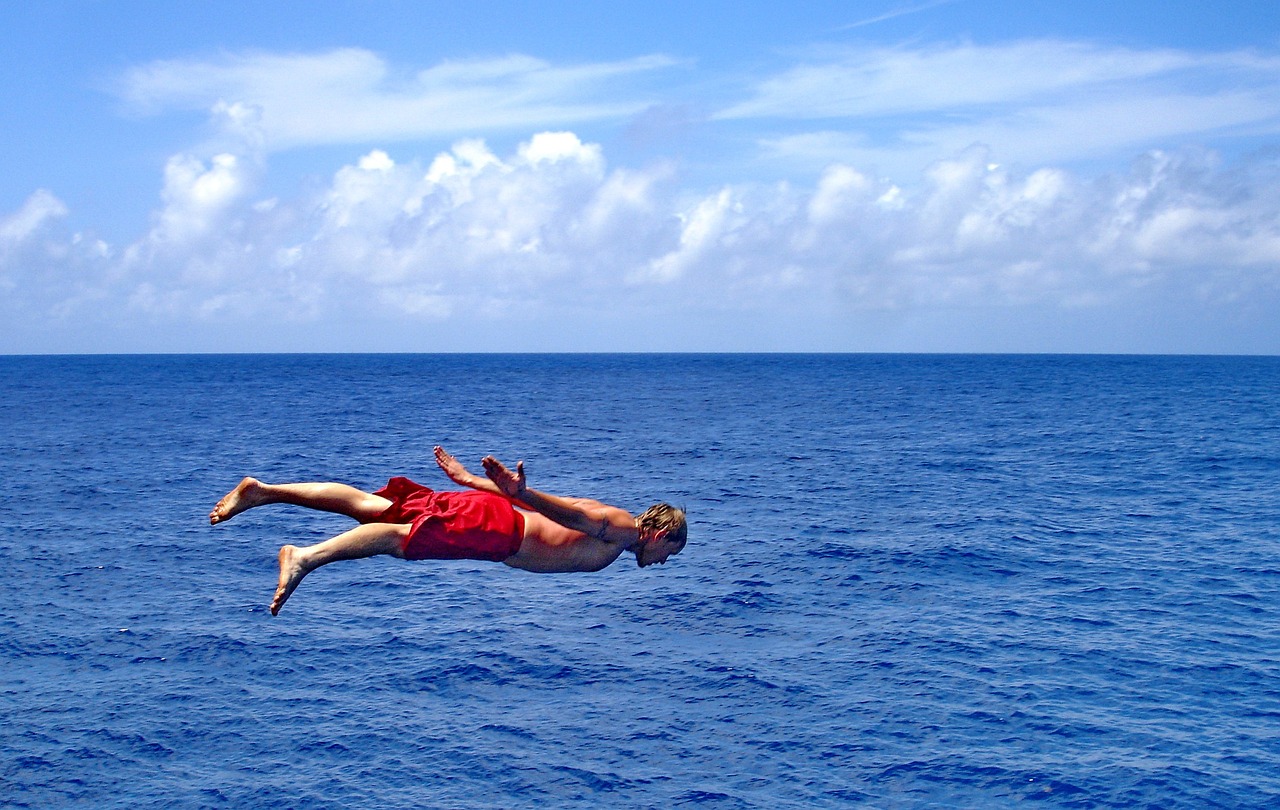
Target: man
500, 518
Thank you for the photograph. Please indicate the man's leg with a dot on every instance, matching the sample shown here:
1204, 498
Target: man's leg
340, 498
368, 540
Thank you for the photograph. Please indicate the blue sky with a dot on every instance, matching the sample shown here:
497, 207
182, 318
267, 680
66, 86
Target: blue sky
944, 176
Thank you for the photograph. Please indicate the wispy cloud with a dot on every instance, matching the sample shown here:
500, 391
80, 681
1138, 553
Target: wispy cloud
894, 14
353, 96
894, 108
894, 81
1050, 135
1050, 100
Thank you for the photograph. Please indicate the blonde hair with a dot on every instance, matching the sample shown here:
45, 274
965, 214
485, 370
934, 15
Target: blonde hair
664, 516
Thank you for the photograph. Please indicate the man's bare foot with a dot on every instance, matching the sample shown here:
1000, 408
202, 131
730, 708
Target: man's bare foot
247, 494
291, 573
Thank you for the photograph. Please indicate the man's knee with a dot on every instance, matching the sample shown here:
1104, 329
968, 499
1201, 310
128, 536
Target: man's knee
399, 537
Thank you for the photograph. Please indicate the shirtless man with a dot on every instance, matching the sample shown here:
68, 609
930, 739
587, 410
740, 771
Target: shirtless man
501, 519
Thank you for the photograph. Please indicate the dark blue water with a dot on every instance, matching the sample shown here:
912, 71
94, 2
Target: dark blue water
911, 581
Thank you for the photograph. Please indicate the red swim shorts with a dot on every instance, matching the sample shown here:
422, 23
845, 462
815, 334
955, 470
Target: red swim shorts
466, 525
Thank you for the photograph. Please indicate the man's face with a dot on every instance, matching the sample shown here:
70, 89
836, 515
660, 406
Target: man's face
656, 549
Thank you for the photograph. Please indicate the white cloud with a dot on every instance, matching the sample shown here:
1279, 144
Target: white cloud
38, 210
197, 195
507, 223
893, 81
898, 12
472, 237
351, 95
201, 235
701, 228
1032, 102
42, 267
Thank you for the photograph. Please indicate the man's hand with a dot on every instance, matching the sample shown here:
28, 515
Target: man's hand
453, 468
510, 484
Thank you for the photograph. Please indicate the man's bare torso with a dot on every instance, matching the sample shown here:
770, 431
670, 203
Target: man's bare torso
550, 548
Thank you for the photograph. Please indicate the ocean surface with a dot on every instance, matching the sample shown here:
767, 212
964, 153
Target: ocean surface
911, 581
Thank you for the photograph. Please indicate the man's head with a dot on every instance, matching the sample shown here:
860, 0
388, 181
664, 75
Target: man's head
663, 531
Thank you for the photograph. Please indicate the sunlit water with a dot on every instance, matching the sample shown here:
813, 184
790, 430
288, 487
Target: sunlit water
911, 581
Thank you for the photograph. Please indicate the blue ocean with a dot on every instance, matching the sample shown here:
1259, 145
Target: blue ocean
911, 581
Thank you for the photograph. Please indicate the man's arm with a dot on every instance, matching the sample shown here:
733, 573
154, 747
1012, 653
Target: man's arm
460, 475
603, 522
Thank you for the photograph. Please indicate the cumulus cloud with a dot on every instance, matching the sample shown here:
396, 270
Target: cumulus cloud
196, 195
43, 269
472, 237
472, 229
202, 235
38, 210
26, 246
352, 95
